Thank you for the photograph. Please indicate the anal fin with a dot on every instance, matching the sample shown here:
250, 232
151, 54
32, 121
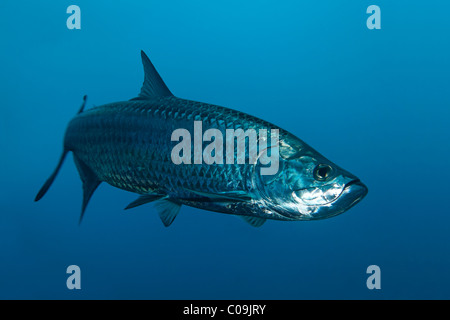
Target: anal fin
90, 183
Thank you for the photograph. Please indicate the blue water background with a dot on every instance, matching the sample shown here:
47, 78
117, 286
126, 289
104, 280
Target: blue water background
376, 102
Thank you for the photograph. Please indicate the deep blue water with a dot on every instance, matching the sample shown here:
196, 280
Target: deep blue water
376, 102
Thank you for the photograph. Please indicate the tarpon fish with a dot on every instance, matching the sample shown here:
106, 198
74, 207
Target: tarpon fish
128, 145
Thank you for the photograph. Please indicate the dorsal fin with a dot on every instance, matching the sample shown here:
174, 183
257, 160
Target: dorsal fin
153, 85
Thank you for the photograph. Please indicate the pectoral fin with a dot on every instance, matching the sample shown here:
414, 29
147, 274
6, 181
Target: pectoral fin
228, 196
254, 221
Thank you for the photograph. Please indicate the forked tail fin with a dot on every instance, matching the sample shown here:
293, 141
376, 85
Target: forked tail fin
50, 180
83, 104
90, 183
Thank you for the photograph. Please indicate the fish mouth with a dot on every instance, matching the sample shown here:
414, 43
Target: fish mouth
344, 198
357, 188
354, 191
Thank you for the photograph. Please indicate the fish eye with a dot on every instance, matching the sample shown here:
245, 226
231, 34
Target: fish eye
322, 172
